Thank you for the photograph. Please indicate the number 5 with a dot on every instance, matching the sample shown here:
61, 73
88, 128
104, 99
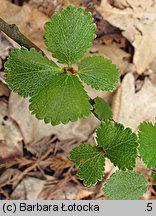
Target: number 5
149, 206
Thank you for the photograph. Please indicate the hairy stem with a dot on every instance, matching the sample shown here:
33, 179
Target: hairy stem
13, 32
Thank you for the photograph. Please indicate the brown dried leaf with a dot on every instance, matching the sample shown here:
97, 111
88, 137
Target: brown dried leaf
137, 19
47, 7
29, 20
60, 190
10, 135
42, 146
66, 3
28, 189
4, 91
131, 108
31, 128
7, 175
5, 47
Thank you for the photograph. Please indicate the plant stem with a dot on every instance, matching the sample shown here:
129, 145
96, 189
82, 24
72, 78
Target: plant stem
93, 112
12, 31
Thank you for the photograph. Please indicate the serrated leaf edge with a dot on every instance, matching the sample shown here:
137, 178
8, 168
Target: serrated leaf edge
108, 195
61, 122
122, 126
92, 85
23, 49
80, 164
99, 114
59, 14
144, 123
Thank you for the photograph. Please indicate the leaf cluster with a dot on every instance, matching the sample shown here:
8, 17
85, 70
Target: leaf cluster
121, 146
57, 94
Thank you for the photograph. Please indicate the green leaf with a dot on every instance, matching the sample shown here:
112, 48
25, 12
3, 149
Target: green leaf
99, 73
147, 141
60, 100
102, 109
90, 161
69, 34
28, 71
154, 176
119, 144
126, 185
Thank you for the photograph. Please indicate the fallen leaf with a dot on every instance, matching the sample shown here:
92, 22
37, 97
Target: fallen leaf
66, 3
130, 107
65, 190
5, 47
31, 128
10, 135
47, 7
69, 192
137, 20
42, 146
29, 20
4, 91
7, 175
28, 189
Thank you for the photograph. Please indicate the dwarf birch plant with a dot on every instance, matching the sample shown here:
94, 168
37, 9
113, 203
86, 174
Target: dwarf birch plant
57, 95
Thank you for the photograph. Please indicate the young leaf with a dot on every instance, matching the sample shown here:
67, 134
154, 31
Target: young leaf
119, 144
147, 141
99, 73
102, 109
28, 71
69, 34
126, 185
61, 99
90, 161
